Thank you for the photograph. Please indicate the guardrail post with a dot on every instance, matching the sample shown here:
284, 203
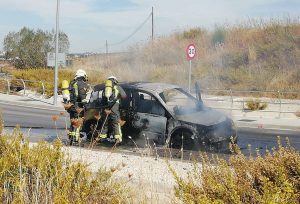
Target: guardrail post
23, 85
43, 87
243, 106
279, 98
8, 87
231, 106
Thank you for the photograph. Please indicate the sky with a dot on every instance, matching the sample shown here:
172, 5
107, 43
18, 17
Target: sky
89, 23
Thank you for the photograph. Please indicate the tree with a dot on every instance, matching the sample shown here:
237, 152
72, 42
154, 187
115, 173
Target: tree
28, 48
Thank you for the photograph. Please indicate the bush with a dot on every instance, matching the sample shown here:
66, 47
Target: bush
28, 48
297, 114
42, 173
256, 105
193, 33
218, 36
274, 178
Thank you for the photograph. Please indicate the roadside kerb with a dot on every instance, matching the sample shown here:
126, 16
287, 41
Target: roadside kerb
268, 123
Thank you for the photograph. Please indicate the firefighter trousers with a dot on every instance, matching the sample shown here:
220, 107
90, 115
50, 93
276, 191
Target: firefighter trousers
111, 126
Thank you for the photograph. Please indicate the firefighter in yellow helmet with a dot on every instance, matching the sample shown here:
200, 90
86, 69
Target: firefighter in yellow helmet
78, 89
110, 121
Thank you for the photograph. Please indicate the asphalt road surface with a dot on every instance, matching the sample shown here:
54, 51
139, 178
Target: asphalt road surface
38, 123
33, 117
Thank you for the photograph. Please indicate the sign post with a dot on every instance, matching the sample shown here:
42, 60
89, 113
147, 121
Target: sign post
56, 55
190, 54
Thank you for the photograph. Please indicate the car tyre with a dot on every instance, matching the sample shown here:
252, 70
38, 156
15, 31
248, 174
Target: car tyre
188, 143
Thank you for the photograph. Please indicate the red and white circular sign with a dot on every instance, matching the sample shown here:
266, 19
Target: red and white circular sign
191, 51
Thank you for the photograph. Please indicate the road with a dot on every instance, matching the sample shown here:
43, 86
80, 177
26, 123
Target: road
30, 116
43, 126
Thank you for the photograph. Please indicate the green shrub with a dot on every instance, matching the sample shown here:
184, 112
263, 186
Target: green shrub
42, 173
256, 104
193, 33
274, 178
218, 36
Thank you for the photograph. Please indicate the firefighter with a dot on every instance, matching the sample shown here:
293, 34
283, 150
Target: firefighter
110, 119
78, 89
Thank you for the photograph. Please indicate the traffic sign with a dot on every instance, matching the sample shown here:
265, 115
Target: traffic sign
190, 54
191, 51
61, 59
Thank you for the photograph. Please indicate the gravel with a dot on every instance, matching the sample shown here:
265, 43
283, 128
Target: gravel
149, 176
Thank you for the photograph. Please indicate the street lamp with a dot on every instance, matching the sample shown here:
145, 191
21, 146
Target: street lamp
56, 55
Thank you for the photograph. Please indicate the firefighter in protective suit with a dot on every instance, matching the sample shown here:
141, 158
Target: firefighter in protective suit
110, 119
78, 89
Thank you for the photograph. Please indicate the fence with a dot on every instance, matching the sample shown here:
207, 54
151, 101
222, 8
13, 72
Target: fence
236, 100
231, 100
22, 87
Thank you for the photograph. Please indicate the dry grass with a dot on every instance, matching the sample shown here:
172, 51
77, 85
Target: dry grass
256, 104
34, 76
255, 55
44, 174
274, 178
297, 114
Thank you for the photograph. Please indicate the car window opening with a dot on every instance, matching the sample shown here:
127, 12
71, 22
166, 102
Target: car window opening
180, 102
146, 103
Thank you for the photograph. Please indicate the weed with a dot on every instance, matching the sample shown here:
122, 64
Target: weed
256, 104
270, 179
297, 114
1, 123
42, 173
33, 78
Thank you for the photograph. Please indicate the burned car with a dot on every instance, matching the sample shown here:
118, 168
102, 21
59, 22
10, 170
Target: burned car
165, 114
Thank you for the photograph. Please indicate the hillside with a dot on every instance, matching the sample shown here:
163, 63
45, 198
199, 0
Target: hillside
252, 56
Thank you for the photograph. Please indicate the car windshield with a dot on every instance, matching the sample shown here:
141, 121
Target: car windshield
180, 102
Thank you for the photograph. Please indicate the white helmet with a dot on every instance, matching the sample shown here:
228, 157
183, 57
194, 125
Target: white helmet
113, 78
80, 73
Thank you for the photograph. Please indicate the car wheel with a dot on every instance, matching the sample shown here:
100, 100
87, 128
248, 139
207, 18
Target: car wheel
182, 138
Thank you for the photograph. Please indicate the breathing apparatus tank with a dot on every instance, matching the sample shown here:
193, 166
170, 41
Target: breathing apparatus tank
65, 91
108, 91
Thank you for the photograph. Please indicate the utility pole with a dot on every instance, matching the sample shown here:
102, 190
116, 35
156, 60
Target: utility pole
106, 45
56, 56
106, 54
152, 36
152, 24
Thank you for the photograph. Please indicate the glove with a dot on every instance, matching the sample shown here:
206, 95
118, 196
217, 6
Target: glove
107, 111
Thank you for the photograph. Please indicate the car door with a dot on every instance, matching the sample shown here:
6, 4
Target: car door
149, 117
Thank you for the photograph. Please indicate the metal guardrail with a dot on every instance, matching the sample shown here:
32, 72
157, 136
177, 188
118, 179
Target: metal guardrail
21, 86
238, 97
229, 97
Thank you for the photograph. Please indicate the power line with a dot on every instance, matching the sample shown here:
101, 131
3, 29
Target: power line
133, 33
128, 37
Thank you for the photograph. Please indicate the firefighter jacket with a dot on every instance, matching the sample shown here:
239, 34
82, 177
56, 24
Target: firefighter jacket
78, 91
118, 93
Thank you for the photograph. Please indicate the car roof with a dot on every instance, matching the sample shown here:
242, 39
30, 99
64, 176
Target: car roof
149, 86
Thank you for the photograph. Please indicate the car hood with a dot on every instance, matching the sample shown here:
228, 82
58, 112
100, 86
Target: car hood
206, 117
